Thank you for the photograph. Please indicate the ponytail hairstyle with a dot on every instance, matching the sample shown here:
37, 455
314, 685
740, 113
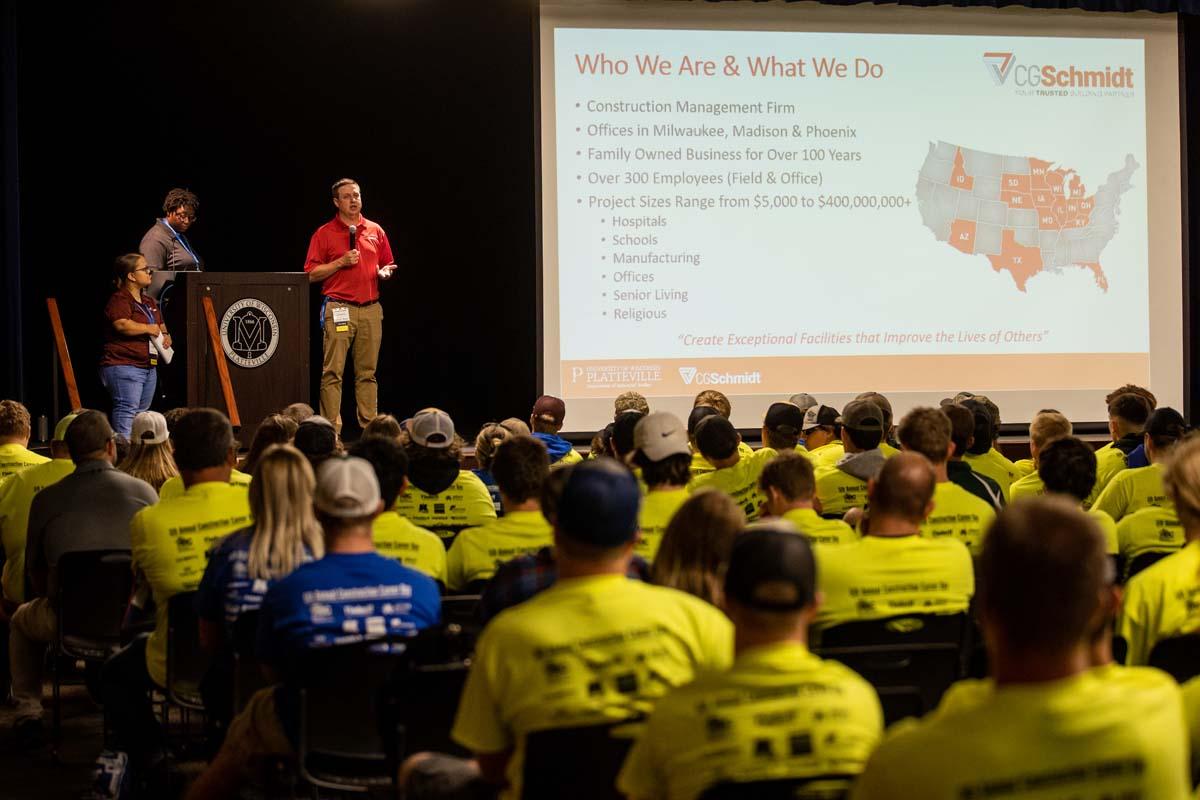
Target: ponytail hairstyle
490, 437
1164, 428
281, 499
123, 265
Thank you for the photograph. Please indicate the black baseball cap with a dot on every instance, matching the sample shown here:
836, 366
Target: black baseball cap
599, 504
697, 414
716, 437
771, 568
784, 418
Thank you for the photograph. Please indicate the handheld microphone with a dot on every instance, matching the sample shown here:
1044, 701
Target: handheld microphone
353, 233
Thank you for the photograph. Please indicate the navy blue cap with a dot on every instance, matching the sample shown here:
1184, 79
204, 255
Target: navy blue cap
599, 504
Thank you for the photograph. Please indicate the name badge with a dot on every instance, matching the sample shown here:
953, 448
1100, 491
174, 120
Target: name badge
341, 319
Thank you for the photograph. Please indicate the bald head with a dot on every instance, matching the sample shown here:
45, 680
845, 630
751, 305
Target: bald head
903, 489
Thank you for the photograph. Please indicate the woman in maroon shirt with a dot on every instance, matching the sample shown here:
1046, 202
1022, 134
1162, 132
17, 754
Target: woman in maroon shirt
128, 365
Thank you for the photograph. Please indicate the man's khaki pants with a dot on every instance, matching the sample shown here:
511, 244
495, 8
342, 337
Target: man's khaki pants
364, 333
33, 626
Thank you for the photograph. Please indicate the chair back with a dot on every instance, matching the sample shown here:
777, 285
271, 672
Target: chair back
93, 591
187, 661
423, 699
1146, 560
342, 742
1178, 656
247, 671
910, 660
818, 787
585, 759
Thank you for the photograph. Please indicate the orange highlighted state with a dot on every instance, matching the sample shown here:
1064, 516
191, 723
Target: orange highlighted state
962, 235
1037, 173
1094, 266
959, 178
1022, 262
1015, 183
1016, 199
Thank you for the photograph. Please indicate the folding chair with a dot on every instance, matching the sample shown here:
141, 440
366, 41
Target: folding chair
426, 686
187, 661
817, 787
1178, 656
910, 660
93, 590
586, 760
247, 671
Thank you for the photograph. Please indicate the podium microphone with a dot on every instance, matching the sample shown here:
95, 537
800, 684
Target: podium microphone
353, 232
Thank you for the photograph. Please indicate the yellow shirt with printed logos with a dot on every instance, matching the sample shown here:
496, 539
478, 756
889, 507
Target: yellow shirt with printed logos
780, 712
701, 466
1131, 490
587, 652
477, 552
960, 515
658, 507
16, 498
839, 491
1091, 736
739, 481
1107, 527
171, 541
173, 487
1191, 713
466, 503
819, 530
411, 545
883, 576
1160, 602
1150, 530
828, 454
16, 458
994, 465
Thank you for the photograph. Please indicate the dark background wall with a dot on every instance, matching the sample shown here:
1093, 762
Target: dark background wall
258, 107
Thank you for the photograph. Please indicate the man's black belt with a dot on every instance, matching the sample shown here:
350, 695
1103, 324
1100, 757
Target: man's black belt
351, 302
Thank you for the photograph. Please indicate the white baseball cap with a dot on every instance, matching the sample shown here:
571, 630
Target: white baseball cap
149, 427
432, 428
347, 487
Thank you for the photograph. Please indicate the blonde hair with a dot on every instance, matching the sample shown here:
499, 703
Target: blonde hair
152, 463
1048, 426
1182, 480
281, 500
694, 551
490, 437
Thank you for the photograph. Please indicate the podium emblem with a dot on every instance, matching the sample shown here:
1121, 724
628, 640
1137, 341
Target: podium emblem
249, 333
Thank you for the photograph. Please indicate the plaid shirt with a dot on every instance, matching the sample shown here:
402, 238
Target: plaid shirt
520, 579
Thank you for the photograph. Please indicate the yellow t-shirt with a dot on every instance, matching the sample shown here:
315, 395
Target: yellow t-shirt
171, 541
1030, 485
465, 503
1160, 602
828, 454
570, 457
701, 466
658, 508
477, 552
16, 498
887, 450
960, 515
411, 545
587, 652
1086, 737
1023, 467
1109, 463
1191, 714
883, 576
819, 530
839, 491
780, 712
15, 458
1150, 530
1131, 490
739, 481
173, 487
1108, 527
994, 465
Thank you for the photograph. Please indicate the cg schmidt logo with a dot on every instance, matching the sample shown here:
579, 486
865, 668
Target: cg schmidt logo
1054, 78
691, 375
999, 65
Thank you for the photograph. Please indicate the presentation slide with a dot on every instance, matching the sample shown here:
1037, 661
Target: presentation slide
768, 212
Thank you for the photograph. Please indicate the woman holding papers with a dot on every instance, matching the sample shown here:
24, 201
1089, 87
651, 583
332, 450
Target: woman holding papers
135, 340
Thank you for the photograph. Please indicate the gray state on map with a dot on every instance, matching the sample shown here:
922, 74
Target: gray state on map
1026, 237
1016, 165
1022, 218
924, 189
993, 212
1085, 250
1047, 240
979, 164
942, 150
988, 239
937, 170
986, 188
968, 206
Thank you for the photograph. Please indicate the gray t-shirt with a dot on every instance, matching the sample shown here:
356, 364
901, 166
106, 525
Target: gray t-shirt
90, 509
167, 249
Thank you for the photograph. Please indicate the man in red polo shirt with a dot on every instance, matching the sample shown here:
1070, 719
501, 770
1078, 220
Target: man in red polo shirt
348, 256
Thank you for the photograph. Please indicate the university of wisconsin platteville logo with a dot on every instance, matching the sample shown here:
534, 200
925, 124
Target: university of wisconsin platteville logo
249, 333
998, 65
688, 374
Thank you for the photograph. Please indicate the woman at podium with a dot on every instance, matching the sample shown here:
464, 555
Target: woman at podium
134, 336
164, 245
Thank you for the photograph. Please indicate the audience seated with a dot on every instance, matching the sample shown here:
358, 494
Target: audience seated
888, 446
842, 482
735, 473
149, 457
395, 536
621, 443
1048, 725
960, 473
789, 486
16, 498
1161, 601
520, 466
695, 548
893, 569
1154, 529
1137, 456
15, 430
546, 420
490, 437
274, 429
1136, 488
663, 456
629, 401
711, 398
298, 412
822, 434
1067, 467
579, 661
982, 456
173, 487
740, 727
318, 440
698, 414
1047, 425
803, 401
384, 426
957, 514
88, 509
321, 604
440, 496
171, 541
783, 427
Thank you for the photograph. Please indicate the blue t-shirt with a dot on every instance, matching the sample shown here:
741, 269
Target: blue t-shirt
344, 598
227, 591
489, 481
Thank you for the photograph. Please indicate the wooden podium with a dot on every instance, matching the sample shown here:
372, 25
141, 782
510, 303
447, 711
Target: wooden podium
263, 322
